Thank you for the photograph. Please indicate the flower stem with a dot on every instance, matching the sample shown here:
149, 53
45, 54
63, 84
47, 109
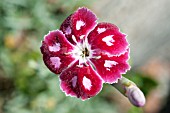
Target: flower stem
131, 91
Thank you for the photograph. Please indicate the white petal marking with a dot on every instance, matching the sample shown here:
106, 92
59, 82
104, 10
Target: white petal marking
68, 30
87, 83
101, 30
79, 24
55, 47
82, 36
109, 40
55, 61
74, 81
109, 63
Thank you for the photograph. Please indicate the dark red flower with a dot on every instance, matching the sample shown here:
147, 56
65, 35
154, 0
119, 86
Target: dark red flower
86, 54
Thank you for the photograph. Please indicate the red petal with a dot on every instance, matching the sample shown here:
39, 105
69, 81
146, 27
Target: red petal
111, 68
83, 21
79, 24
82, 82
107, 38
66, 27
54, 48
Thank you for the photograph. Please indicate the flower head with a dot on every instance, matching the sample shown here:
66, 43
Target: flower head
86, 54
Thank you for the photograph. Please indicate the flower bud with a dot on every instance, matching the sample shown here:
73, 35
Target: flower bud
131, 91
135, 95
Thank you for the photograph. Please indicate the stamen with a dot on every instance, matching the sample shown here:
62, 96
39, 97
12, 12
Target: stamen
82, 36
85, 60
74, 39
96, 57
80, 66
85, 52
86, 43
68, 53
78, 45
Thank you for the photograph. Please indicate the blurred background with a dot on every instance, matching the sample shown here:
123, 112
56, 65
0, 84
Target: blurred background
27, 86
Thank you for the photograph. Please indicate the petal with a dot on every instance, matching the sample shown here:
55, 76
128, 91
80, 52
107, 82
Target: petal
81, 82
54, 49
83, 21
79, 24
111, 68
66, 27
107, 38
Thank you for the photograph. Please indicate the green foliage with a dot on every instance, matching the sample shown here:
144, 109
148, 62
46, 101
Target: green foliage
135, 110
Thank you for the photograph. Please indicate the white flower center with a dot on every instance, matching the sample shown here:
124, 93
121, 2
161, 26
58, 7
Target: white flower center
82, 51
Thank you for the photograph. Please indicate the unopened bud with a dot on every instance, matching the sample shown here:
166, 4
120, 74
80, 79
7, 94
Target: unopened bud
136, 96
130, 90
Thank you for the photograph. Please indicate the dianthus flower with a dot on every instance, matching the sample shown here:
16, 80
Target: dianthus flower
86, 54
